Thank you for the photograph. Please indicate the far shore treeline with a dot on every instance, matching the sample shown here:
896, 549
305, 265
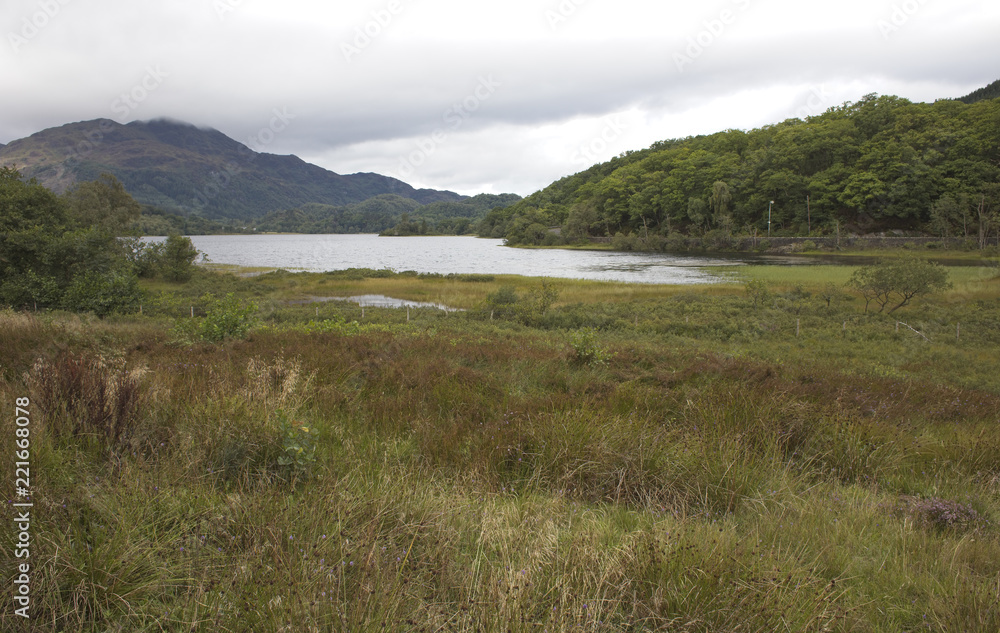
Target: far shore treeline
878, 165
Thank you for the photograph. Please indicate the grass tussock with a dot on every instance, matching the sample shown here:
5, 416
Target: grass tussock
680, 462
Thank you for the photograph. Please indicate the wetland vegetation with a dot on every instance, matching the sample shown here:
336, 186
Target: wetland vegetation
562, 455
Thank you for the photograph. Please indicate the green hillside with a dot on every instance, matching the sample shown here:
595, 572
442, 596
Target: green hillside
991, 91
182, 168
388, 214
882, 163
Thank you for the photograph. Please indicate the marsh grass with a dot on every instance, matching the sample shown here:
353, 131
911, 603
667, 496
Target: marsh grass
713, 474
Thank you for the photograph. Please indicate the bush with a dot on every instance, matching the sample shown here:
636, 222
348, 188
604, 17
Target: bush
942, 514
29, 289
177, 259
298, 443
719, 240
676, 243
505, 303
225, 318
116, 292
623, 242
898, 281
758, 292
586, 349
228, 318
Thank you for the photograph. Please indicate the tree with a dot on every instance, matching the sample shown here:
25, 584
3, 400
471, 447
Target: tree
758, 292
720, 200
944, 214
898, 281
50, 258
103, 204
989, 219
696, 211
178, 258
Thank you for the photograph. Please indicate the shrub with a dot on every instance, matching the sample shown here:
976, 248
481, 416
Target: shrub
676, 243
623, 242
942, 514
758, 292
228, 317
177, 259
898, 281
505, 303
587, 350
473, 277
298, 442
116, 292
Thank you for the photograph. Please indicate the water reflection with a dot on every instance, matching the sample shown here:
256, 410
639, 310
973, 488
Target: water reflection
444, 255
382, 301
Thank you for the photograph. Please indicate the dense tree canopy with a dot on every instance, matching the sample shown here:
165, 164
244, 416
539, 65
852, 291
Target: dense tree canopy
881, 163
67, 252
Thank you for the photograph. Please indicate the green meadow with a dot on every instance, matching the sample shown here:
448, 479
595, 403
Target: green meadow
558, 456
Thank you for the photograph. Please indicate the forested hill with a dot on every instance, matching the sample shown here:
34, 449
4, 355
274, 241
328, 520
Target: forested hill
991, 91
878, 164
392, 214
185, 169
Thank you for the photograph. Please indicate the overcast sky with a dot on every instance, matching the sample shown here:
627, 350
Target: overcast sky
478, 97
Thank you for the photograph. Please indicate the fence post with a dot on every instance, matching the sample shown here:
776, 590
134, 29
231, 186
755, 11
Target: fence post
798, 327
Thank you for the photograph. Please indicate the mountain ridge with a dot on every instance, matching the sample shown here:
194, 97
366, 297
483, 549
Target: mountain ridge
183, 168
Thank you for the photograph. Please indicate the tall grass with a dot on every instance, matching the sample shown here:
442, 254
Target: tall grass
713, 473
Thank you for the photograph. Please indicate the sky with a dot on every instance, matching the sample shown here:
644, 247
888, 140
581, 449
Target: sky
478, 97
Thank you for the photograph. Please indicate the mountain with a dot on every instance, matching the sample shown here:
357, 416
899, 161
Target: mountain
880, 164
991, 91
186, 169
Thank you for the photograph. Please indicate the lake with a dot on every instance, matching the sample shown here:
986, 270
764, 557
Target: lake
319, 253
